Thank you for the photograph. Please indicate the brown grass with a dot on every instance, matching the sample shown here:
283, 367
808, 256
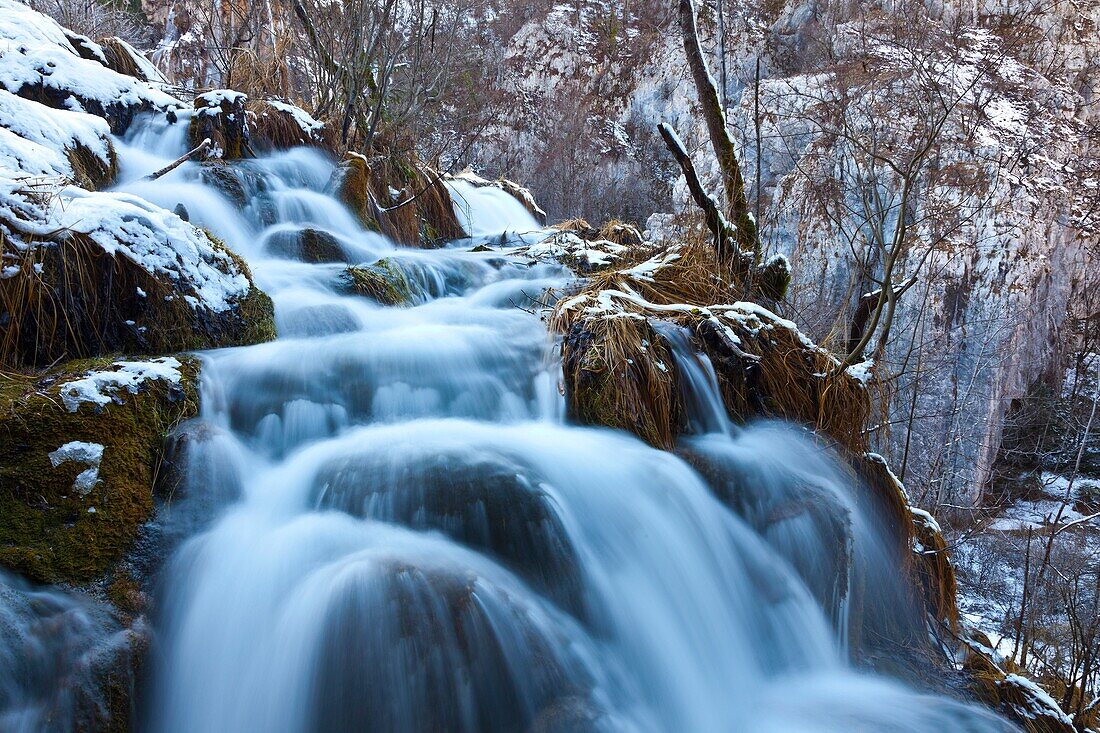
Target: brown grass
119, 58
620, 232
427, 217
70, 299
770, 372
616, 379
580, 227
273, 129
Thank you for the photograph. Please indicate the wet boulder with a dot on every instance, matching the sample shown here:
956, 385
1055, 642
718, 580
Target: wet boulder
81, 448
486, 502
306, 245
467, 653
69, 662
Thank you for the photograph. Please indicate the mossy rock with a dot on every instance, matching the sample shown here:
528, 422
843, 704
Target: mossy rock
72, 299
350, 184
222, 117
307, 245
772, 279
58, 526
382, 281
424, 216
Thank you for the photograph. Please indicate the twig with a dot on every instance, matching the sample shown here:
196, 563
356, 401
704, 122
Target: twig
202, 148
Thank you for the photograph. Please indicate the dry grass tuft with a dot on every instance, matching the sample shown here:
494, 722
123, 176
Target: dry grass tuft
580, 227
765, 367
71, 299
274, 129
68, 299
621, 233
120, 59
620, 375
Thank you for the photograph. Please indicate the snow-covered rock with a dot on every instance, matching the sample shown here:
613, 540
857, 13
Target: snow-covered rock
38, 61
47, 142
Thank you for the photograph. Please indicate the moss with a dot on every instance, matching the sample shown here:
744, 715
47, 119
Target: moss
226, 125
772, 279
382, 281
253, 319
49, 532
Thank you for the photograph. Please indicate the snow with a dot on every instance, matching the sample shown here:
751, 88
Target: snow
863, 372
59, 69
646, 270
153, 238
926, 519
59, 129
100, 388
17, 21
303, 118
209, 103
595, 254
1024, 515
90, 454
22, 158
1038, 698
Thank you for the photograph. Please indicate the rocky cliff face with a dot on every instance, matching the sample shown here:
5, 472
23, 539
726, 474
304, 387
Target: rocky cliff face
1002, 209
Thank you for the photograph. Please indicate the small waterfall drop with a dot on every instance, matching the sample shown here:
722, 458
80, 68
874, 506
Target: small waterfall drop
490, 212
401, 532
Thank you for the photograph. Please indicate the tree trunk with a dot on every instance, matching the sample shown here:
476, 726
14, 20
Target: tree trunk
715, 118
725, 236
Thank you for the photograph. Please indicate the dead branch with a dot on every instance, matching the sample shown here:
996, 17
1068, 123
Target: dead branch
745, 234
725, 236
199, 150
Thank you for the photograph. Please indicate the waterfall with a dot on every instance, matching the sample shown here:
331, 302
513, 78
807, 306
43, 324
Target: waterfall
388, 525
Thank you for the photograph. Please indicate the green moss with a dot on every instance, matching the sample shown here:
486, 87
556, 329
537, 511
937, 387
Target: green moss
382, 281
49, 533
253, 320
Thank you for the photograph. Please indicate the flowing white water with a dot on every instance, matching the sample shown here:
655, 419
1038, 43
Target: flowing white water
403, 534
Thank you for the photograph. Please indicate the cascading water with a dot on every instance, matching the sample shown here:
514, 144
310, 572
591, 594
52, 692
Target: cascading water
399, 532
